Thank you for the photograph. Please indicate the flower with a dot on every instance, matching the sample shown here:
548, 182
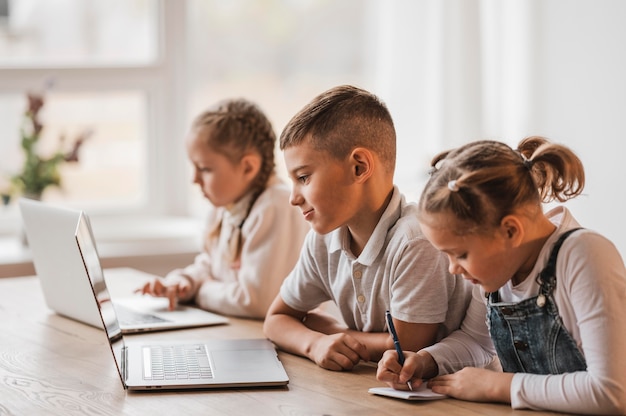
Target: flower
39, 172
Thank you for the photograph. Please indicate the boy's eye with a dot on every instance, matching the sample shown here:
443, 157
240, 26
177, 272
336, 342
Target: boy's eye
302, 178
462, 256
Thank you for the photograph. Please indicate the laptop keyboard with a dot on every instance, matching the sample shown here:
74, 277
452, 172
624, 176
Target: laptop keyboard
176, 362
128, 317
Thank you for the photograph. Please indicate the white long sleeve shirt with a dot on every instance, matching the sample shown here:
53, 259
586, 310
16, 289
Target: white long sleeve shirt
271, 235
590, 295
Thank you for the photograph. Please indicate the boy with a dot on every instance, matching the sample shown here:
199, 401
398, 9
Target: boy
365, 251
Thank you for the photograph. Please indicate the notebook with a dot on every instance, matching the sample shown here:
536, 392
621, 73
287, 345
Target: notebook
62, 270
421, 393
143, 364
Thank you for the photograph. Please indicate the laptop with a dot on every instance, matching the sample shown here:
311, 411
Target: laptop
143, 364
61, 268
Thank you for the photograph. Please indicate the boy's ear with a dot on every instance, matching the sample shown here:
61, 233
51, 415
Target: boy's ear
362, 163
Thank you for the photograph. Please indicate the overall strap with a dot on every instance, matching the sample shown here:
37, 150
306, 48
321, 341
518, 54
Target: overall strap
546, 277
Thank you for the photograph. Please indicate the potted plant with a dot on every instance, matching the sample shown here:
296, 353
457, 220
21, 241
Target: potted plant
38, 171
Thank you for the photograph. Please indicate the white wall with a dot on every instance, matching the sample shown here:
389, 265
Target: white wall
579, 99
457, 70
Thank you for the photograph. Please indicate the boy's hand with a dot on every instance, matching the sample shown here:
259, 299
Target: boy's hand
173, 289
338, 352
395, 375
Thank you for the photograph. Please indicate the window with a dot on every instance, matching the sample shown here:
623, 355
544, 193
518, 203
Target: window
137, 71
78, 33
277, 53
112, 162
99, 67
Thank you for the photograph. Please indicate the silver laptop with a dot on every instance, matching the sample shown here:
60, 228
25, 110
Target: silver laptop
152, 365
60, 266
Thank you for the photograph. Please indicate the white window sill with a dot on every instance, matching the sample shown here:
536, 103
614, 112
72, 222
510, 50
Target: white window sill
155, 245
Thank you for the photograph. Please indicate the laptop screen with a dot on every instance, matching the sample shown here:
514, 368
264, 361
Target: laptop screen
89, 253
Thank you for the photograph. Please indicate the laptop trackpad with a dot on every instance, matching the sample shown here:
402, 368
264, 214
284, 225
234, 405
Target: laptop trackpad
144, 303
244, 361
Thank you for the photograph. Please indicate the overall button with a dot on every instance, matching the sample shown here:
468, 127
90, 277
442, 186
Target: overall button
358, 274
541, 300
506, 311
360, 298
520, 345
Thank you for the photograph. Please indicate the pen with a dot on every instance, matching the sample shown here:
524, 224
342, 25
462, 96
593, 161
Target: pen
396, 343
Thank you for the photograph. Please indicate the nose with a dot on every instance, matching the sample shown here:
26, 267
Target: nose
295, 198
454, 267
195, 178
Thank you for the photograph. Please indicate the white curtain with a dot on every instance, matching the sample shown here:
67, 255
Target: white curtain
452, 71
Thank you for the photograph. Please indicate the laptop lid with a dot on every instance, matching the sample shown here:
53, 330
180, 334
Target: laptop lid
148, 313
224, 363
57, 260
61, 268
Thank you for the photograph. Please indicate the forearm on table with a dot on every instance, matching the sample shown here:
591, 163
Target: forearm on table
376, 342
233, 298
290, 334
320, 321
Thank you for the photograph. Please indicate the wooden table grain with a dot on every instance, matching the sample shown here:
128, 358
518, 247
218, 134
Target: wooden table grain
51, 365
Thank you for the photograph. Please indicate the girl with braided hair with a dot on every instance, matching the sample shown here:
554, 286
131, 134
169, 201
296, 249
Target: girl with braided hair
551, 293
253, 235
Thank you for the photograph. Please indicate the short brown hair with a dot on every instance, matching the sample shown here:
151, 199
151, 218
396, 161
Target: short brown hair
341, 119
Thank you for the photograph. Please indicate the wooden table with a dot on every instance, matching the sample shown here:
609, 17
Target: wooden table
50, 365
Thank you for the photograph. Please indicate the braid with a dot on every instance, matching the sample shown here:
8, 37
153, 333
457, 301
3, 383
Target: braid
239, 126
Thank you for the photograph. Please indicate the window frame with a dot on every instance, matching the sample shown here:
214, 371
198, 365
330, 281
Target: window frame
162, 82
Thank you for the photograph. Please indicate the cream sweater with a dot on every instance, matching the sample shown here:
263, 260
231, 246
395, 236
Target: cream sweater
272, 235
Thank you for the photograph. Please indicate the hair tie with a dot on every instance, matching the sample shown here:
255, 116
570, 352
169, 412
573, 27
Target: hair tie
528, 164
453, 186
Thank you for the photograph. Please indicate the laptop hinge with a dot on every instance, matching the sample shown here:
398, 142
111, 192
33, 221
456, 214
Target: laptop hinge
124, 361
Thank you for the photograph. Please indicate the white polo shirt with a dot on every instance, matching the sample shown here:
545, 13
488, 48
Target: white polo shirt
398, 270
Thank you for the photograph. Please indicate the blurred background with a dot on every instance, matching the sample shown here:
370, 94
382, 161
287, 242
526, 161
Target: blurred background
135, 72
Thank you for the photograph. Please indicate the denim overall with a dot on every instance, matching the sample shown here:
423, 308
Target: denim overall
529, 336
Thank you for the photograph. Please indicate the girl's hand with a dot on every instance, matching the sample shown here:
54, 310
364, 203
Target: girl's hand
173, 289
395, 375
474, 384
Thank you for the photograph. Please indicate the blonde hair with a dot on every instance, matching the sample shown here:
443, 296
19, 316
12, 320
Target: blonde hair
235, 127
483, 181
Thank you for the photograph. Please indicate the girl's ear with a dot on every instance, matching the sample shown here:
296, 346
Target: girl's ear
512, 230
362, 164
251, 164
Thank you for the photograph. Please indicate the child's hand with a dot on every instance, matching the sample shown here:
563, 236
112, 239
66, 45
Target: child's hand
474, 384
395, 375
338, 352
172, 288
